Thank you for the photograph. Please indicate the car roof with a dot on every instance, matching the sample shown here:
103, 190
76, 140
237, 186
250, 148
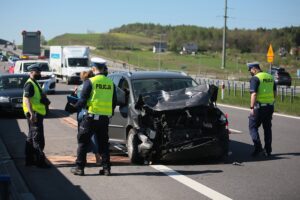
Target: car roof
13, 75
31, 61
152, 74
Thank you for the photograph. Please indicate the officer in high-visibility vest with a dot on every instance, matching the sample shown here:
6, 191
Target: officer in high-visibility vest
34, 106
99, 97
262, 92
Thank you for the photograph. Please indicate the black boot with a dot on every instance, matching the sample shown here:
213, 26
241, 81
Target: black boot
30, 158
105, 172
77, 171
257, 149
43, 164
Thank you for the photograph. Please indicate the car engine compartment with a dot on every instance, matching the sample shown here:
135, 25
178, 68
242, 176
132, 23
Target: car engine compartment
178, 120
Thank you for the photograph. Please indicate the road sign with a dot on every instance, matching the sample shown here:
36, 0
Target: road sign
270, 55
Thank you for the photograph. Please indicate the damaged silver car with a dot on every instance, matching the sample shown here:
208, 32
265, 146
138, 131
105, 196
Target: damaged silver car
167, 113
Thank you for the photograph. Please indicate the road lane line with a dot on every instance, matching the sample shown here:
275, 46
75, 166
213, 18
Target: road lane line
246, 109
210, 193
234, 131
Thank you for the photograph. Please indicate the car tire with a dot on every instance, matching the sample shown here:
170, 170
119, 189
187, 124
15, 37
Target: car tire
224, 143
132, 147
68, 80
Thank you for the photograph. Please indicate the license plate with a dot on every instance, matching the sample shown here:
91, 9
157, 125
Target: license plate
18, 105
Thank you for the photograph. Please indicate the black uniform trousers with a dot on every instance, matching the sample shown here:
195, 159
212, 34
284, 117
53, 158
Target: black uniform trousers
88, 127
262, 115
35, 141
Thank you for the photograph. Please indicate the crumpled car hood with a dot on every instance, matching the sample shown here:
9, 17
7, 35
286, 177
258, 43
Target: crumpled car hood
178, 99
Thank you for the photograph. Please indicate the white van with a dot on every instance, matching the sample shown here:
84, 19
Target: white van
47, 81
68, 61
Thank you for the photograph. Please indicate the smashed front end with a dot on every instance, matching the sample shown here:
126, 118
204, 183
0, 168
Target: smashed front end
180, 120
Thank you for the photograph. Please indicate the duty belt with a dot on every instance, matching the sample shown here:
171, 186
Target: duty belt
258, 105
95, 116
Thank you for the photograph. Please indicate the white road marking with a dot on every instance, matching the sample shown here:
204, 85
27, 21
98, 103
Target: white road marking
246, 109
210, 193
235, 131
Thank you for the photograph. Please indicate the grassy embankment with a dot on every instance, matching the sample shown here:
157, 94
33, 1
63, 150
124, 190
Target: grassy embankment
285, 106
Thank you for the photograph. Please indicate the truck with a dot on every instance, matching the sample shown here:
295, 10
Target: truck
31, 44
68, 61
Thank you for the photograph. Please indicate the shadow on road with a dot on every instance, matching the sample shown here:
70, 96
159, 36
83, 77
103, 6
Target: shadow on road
57, 113
45, 184
241, 152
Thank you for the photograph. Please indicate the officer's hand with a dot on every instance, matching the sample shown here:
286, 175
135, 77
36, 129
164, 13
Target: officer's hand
75, 90
252, 111
32, 118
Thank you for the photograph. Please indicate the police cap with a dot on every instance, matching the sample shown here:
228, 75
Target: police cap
98, 62
254, 64
34, 67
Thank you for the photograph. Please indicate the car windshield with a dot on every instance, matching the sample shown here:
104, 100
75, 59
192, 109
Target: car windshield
78, 62
44, 67
26, 65
141, 86
12, 82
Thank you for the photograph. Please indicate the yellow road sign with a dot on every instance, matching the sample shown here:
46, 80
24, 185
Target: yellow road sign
270, 54
270, 59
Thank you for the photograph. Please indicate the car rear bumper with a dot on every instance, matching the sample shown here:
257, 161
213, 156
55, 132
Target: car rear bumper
9, 107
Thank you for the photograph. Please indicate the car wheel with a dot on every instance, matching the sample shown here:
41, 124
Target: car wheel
132, 147
224, 143
68, 80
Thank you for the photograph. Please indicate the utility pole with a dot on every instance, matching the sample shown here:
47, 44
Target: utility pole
224, 38
159, 62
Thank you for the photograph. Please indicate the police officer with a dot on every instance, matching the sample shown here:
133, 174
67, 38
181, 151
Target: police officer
99, 97
262, 92
34, 106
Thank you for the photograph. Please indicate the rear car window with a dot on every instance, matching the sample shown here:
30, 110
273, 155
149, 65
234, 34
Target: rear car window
141, 86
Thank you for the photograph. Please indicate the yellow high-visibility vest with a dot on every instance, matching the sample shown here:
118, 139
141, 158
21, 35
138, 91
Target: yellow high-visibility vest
100, 101
265, 93
35, 101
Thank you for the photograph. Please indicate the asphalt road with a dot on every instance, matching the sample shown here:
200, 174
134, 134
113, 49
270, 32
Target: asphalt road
274, 178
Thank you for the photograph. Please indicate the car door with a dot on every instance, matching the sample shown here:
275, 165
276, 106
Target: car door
118, 123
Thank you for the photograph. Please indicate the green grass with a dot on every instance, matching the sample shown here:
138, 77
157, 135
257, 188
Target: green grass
94, 39
284, 106
208, 64
200, 63
76, 39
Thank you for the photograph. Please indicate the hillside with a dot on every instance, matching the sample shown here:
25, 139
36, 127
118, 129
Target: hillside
104, 40
245, 41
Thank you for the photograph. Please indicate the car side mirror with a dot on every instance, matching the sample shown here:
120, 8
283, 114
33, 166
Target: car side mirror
121, 97
123, 111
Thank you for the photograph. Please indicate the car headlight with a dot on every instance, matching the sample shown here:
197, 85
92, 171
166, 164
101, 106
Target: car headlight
52, 76
4, 99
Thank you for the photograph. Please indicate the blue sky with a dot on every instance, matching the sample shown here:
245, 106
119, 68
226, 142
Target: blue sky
56, 17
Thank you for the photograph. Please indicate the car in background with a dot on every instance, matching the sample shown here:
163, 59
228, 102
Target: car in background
167, 114
11, 92
3, 58
11, 69
281, 77
13, 59
48, 79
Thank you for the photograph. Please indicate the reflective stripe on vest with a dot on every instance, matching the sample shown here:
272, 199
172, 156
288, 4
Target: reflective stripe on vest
100, 101
265, 93
35, 101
